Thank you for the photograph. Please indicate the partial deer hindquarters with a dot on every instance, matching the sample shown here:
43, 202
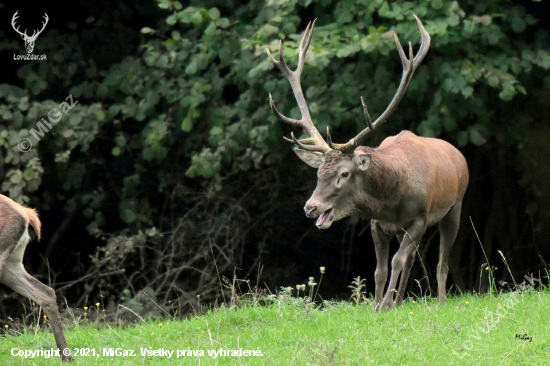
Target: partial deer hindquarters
14, 237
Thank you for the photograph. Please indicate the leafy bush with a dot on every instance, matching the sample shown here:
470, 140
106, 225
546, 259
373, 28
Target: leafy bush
180, 137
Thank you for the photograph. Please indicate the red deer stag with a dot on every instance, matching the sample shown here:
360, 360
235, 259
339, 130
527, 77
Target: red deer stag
14, 236
404, 186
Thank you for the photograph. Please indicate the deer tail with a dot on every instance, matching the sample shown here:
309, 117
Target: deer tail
34, 220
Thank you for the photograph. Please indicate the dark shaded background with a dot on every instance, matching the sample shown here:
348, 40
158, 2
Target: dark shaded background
506, 201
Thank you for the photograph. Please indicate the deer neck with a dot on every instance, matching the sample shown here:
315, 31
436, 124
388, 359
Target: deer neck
383, 184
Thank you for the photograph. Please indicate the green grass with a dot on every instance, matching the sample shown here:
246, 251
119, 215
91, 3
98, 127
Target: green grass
290, 333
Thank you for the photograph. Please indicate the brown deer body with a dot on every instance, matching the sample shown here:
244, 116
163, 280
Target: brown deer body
404, 186
14, 236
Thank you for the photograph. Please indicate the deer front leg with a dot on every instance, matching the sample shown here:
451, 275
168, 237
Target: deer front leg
405, 278
381, 247
400, 258
15, 277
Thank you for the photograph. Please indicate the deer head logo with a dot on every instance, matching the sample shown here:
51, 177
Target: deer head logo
29, 40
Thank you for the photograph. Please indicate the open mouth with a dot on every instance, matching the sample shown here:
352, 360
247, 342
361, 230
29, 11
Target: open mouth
325, 220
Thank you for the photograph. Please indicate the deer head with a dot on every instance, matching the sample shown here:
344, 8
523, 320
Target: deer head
341, 166
29, 40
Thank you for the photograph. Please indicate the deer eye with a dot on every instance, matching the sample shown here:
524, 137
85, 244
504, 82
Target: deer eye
345, 174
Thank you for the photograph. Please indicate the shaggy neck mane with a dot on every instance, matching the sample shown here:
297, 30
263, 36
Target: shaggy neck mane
386, 176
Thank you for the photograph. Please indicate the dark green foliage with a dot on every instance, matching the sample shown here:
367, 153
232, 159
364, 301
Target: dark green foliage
188, 115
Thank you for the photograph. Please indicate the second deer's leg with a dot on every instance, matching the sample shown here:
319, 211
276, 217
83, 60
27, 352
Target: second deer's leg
15, 277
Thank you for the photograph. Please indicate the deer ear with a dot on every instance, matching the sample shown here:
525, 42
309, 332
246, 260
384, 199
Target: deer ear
312, 158
363, 161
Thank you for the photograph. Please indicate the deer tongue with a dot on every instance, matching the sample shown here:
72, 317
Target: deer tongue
325, 220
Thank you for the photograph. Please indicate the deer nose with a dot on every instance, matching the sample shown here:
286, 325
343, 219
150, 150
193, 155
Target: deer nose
311, 211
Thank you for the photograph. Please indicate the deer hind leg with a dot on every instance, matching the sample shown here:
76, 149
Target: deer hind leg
448, 228
14, 276
381, 245
400, 259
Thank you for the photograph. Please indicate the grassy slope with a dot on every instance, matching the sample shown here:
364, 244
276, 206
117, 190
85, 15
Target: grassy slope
288, 334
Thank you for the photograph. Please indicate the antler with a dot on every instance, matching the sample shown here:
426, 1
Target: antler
409, 66
43, 26
315, 142
13, 19
35, 33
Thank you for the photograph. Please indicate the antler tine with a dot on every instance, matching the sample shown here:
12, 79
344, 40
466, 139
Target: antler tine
13, 19
288, 120
424, 46
302, 51
43, 24
331, 144
302, 143
409, 66
316, 141
367, 115
329, 139
306, 141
